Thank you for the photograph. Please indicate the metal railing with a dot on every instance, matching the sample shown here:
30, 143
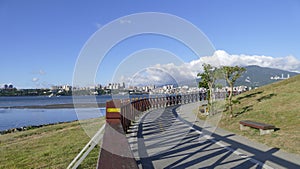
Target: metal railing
131, 109
120, 113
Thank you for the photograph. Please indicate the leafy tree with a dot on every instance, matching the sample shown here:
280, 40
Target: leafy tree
208, 78
231, 75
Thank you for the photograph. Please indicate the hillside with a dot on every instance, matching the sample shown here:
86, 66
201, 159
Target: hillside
276, 104
256, 76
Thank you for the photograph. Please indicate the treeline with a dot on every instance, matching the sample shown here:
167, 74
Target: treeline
48, 92
30, 92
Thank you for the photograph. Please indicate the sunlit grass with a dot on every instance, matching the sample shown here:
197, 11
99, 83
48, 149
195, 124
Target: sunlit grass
276, 104
52, 146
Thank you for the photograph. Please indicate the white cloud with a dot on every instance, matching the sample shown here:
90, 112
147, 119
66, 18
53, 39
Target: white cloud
35, 79
188, 71
289, 63
149, 76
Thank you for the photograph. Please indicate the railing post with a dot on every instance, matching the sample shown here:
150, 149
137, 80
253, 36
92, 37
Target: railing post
113, 111
160, 102
115, 150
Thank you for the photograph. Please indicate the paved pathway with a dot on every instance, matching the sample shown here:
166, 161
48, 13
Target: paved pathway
174, 138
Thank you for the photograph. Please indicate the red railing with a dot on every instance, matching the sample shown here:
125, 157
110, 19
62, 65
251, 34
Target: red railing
119, 116
129, 110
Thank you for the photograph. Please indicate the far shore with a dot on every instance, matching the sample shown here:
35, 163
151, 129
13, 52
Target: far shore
24, 128
59, 106
29, 127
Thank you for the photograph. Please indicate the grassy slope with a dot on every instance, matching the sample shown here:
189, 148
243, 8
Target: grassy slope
277, 104
52, 146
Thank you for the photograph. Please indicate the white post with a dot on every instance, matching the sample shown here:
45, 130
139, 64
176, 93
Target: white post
91, 144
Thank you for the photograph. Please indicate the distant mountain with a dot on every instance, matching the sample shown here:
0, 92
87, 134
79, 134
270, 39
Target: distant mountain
256, 76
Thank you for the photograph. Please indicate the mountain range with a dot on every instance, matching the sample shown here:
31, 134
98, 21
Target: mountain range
256, 76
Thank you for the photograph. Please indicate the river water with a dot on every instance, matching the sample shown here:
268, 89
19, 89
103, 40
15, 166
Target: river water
45, 100
13, 118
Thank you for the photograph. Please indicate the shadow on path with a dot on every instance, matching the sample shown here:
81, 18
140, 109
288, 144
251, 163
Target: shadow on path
169, 141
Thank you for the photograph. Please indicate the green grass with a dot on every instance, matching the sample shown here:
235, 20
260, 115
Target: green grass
276, 104
217, 106
53, 146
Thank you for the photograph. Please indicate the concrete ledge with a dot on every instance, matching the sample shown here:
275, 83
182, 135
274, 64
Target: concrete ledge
263, 132
243, 127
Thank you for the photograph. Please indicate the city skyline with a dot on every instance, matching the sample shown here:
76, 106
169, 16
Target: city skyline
40, 41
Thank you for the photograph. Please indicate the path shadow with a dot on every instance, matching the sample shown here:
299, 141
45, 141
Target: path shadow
195, 152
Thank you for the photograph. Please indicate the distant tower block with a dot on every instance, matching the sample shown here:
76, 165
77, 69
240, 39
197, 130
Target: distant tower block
281, 76
288, 75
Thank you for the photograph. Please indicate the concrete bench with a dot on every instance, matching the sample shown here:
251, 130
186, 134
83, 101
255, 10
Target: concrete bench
263, 128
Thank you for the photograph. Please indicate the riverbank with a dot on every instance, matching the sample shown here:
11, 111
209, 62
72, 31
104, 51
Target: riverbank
52, 146
24, 128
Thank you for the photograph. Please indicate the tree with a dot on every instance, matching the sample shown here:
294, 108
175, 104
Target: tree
231, 75
208, 78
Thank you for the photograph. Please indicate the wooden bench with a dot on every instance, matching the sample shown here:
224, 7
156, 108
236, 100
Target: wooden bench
263, 128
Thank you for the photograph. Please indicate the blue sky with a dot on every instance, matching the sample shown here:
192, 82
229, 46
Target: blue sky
41, 40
